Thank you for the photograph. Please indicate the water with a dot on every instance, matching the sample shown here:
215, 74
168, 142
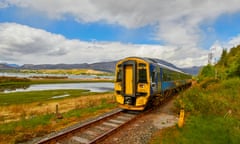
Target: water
28, 75
93, 87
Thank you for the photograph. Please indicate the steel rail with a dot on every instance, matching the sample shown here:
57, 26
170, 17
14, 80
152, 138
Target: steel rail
67, 134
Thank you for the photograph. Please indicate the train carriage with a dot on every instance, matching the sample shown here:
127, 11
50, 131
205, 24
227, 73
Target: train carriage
142, 81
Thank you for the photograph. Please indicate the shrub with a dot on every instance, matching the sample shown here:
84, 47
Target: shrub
207, 82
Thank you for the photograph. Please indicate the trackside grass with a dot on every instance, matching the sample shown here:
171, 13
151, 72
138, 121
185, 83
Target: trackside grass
41, 124
213, 115
39, 96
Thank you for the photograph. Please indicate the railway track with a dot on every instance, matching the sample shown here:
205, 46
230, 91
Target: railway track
94, 130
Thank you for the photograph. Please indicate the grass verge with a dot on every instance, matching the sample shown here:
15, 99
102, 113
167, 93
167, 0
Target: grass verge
39, 125
213, 115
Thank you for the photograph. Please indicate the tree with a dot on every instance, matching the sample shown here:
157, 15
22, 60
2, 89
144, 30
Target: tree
207, 71
223, 59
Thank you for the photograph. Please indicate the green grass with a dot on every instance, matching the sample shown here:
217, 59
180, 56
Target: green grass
10, 128
217, 98
50, 81
213, 115
38, 96
39, 125
202, 130
90, 109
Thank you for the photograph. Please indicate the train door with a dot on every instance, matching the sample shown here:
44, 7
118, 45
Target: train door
159, 81
129, 82
154, 82
128, 79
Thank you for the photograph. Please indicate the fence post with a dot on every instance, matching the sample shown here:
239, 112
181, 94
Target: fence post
181, 118
58, 115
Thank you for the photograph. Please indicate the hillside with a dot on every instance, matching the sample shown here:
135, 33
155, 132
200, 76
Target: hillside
211, 106
4, 66
100, 66
228, 66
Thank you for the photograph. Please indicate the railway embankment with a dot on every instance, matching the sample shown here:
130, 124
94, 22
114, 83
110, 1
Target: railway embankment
212, 114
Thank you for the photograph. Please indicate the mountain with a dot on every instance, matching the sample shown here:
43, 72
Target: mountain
4, 66
192, 70
13, 65
101, 66
104, 66
55, 66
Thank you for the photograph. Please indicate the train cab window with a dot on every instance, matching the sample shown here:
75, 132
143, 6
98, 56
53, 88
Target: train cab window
142, 73
142, 65
142, 76
119, 73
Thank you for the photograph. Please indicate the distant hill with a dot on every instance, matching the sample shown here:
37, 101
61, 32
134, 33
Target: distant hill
192, 70
13, 65
100, 66
4, 66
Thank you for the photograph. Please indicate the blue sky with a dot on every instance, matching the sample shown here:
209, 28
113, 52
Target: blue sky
60, 31
100, 31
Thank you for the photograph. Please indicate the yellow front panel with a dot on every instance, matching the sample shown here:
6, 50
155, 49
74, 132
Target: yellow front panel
118, 86
129, 80
141, 101
120, 99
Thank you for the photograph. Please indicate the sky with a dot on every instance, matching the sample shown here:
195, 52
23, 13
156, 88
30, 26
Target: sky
182, 32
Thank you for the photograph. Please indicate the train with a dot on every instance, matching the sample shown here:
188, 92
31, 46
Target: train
142, 82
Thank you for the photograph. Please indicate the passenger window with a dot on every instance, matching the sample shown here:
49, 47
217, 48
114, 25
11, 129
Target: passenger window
153, 76
165, 77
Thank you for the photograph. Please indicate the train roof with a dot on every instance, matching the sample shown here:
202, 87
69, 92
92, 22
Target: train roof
160, 63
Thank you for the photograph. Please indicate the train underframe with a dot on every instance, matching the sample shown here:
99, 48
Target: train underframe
159, 99
154, 100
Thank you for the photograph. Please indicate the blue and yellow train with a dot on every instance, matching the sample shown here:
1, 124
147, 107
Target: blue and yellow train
143, 82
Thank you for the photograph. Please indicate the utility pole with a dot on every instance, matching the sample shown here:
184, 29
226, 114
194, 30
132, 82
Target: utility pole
210, 56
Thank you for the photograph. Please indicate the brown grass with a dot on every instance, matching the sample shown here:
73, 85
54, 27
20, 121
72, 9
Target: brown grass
16, 112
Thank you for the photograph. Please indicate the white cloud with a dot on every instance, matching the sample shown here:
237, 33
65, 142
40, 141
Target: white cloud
218, 47
177, 25
233, 42
22, 44
177, 21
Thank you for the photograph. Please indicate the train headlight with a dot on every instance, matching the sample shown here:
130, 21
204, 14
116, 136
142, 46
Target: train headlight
141, 85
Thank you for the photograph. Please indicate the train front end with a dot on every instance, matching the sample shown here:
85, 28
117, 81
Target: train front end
132, 86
